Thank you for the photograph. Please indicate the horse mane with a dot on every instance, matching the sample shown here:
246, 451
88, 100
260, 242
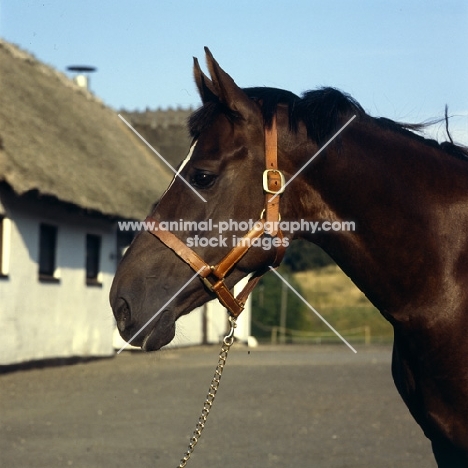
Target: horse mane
322, 111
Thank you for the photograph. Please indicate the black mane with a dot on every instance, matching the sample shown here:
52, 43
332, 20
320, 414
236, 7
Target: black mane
322, 111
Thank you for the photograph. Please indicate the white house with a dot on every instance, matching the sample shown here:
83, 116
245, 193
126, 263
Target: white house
69, 170
56, 269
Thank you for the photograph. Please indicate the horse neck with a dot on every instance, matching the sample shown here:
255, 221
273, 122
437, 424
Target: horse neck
390, 186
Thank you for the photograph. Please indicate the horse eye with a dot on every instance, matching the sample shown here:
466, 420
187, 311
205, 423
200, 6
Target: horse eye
203, 180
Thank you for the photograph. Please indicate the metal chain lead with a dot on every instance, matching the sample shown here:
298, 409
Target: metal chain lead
223, 354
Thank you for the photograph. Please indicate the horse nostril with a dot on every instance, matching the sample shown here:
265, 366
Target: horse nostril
122, 315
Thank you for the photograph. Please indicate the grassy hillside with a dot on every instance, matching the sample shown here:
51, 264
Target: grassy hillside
339, 301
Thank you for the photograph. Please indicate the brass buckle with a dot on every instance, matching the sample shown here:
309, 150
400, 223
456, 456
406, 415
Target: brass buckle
265, 182
208, 283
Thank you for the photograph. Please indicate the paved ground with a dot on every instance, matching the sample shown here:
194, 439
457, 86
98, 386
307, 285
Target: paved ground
320, 407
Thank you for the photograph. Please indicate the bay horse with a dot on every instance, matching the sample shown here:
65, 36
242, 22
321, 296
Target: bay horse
407, 196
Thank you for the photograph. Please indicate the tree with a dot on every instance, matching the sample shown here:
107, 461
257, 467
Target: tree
303, 255
266, 305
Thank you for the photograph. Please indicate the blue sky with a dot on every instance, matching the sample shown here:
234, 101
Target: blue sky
400, 59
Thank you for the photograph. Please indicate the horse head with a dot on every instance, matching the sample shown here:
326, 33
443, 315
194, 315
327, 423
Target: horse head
215, 197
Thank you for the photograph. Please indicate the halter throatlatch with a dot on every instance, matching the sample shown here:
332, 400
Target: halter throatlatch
213, 275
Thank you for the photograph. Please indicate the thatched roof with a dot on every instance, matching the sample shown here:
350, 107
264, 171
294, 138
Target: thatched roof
59, 140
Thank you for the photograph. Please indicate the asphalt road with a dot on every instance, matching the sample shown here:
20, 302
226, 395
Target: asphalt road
318, 406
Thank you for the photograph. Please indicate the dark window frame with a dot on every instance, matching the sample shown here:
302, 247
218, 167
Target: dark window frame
93, 260
47, 261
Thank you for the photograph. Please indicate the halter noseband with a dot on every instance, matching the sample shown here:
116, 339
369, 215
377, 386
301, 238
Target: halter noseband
213, 275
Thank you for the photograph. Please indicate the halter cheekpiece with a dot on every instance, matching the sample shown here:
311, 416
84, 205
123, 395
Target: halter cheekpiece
213, 275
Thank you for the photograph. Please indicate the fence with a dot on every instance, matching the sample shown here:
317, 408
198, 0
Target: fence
280, 335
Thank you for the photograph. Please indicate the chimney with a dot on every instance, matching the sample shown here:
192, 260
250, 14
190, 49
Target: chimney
82, 72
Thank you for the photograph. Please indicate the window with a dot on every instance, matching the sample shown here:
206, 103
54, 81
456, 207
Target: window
47, 252
93, 254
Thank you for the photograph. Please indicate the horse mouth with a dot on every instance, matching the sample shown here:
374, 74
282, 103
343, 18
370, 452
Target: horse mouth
161, 334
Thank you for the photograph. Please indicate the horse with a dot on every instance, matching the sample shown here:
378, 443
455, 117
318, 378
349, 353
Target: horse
270, 156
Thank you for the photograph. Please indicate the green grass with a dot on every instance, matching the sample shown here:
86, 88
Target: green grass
341, 303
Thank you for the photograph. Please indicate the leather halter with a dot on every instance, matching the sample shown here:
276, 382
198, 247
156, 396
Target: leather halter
213, 275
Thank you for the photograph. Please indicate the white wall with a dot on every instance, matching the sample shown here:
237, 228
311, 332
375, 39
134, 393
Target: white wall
189, 328
42, 320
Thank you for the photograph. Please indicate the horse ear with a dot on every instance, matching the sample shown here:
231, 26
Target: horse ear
226, 90
204, 84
